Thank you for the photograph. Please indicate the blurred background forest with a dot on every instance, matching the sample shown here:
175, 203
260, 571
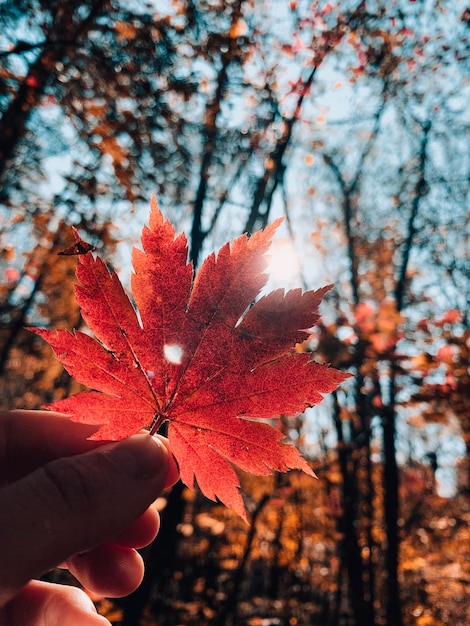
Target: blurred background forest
351, 119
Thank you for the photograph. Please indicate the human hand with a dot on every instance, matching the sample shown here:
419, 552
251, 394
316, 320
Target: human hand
68, 501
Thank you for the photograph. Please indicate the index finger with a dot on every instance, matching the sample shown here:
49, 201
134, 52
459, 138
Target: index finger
30, 439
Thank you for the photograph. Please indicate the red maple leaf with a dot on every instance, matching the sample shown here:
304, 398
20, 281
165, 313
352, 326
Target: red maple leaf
198, 354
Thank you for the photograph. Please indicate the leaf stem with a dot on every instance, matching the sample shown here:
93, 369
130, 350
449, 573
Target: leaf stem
157, 422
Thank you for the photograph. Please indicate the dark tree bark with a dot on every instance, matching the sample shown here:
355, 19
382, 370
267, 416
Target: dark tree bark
229, 613
391, 475
198, 235
159, 563
354, 454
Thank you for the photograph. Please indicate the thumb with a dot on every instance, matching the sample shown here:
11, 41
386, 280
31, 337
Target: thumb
76, 503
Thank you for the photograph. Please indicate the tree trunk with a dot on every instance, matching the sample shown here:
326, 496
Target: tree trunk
159, 562
393, 608
350, 550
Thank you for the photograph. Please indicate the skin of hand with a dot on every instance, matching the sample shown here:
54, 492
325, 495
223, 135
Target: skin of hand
67, 501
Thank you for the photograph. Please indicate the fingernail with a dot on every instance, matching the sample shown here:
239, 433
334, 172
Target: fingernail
140, 456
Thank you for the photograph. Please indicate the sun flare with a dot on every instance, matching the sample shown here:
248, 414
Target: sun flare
283, 268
